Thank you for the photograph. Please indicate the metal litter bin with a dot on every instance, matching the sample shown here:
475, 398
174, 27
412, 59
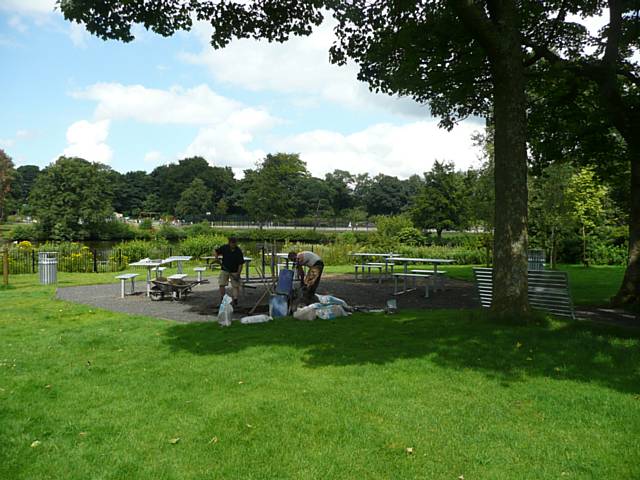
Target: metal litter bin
48, 267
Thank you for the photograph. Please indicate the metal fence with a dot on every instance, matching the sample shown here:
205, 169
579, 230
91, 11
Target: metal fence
85, 260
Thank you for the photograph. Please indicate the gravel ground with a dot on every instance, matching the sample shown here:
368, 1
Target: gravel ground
201, 304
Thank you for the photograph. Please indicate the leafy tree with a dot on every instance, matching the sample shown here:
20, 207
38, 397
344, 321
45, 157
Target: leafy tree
462, 57
385, 195
440, 205
173, 179
339, 183
137, 185
586, 197
587, 102
7, 174
550, 207
71, 198
270, 189
152, 205
25, 177
194, 202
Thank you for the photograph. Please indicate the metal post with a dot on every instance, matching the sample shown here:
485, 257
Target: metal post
5, 266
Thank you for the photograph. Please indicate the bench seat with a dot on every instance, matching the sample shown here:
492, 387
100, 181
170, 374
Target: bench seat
123, 280
413, 276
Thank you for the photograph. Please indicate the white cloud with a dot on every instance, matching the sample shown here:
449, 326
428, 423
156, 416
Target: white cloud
20, 135
28, 7
299, 67
193, 106
87, 140
226, 127
400, 150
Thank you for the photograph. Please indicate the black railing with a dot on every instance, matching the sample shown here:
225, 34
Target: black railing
83, 260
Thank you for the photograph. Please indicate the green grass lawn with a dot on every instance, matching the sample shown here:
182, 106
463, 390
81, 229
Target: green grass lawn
106, 395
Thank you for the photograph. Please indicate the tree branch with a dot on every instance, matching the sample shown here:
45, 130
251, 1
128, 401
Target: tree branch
477, 21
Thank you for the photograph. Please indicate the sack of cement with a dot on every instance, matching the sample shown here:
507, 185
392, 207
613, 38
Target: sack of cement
305, 313
225, 313
331, 300
278, 306
328, 312
255, 319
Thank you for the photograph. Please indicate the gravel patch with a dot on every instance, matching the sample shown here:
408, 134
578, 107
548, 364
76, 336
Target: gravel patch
202, 304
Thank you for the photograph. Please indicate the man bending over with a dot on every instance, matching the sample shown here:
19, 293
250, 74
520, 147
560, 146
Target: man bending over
314, 266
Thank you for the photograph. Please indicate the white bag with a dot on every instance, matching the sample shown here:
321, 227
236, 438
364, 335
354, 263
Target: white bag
305, 313
327, 312
331, 300
225, 313
255, 319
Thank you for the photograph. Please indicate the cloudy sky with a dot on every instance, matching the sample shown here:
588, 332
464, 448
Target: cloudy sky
153, 101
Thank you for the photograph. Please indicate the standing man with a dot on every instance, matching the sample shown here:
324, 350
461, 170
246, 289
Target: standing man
314, 266
232, 262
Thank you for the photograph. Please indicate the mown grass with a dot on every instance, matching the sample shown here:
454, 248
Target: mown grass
106, 394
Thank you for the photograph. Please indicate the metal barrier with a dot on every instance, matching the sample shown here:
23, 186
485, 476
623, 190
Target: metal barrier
48, 267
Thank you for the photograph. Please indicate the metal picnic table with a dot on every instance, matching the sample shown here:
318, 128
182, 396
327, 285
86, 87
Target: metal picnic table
179, 259
387, 257
406, 261
211, 260
150, 265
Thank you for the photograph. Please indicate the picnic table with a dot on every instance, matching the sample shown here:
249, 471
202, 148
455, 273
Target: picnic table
179, 259
211, 261
406, 261
365, 257
149, 265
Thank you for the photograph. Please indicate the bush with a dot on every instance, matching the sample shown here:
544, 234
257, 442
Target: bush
135, 250
390, 226
202, 228
171, 233
411, 236
23, 232
201, 245
146, 224
113, 231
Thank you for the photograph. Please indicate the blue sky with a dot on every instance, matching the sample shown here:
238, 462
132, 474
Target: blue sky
155, 100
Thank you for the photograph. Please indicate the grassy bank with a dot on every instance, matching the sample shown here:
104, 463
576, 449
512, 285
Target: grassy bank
87, 393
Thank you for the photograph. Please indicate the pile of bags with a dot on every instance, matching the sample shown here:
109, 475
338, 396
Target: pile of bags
326, 308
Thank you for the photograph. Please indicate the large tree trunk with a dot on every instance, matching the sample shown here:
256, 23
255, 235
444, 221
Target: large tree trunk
510, 240
629, 292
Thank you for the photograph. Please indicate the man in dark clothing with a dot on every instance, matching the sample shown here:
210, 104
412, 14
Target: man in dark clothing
232, 261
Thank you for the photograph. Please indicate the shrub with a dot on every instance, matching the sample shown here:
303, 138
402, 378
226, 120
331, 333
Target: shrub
134, 250
410, 236
146, 224
390, 226
113, 231
171, 233
201, 245
24, 232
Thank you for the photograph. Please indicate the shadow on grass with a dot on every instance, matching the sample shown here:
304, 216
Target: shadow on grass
453, 339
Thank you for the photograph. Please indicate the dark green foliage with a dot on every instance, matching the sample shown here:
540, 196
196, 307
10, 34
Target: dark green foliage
271, 191
7, 176
194, 202
440, 205
72, 199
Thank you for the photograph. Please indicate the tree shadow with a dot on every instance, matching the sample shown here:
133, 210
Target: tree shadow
456, 339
